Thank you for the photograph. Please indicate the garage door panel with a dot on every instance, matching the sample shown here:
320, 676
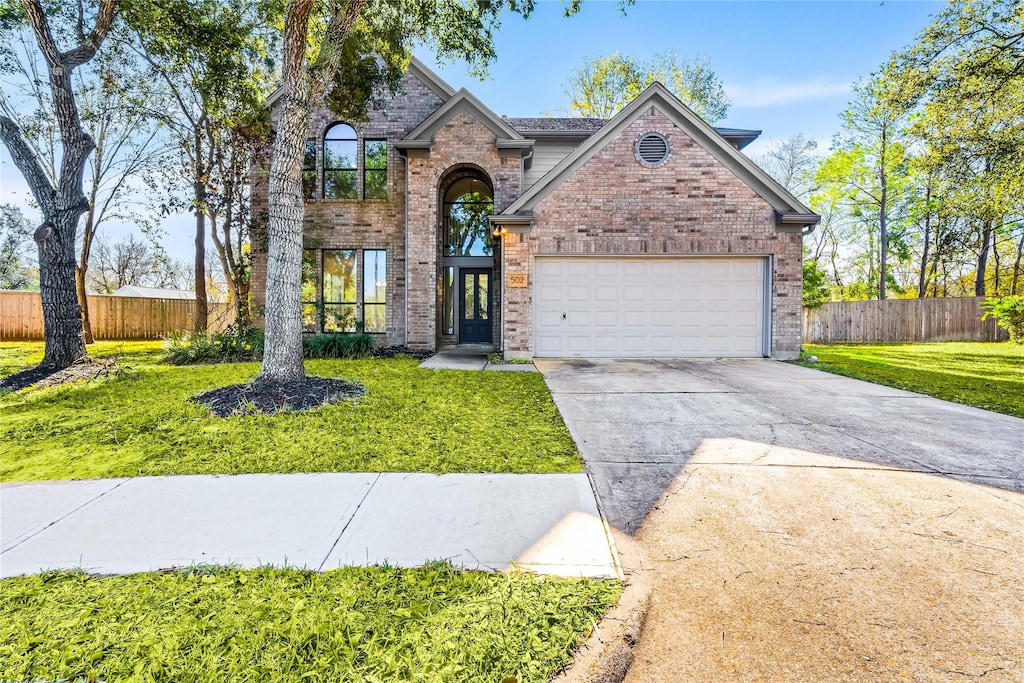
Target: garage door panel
578, 268
636, 307
549, 293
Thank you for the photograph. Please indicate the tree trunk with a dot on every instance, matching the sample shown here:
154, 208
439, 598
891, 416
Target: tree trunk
282, 354
979, 276
202, 310
62, 317
83, 303
82, 269
1016, 266
922, 284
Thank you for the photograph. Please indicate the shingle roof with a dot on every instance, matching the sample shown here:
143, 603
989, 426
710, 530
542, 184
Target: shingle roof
547, 123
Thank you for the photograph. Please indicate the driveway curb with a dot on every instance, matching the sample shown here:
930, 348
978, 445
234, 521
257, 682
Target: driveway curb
608, 653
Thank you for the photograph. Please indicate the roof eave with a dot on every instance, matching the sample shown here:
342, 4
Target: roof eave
803, 223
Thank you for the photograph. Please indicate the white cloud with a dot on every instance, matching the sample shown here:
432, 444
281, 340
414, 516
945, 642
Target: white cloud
767, 93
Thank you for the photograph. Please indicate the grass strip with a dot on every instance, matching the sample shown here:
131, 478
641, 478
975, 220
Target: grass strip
285, 625
983, 375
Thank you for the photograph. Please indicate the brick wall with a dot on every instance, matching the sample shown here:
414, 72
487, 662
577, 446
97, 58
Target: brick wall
691, 204
462, 142
360, 224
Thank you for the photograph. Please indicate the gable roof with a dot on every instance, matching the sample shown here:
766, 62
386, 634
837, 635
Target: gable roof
416, 68
557, 127
422, 136
790, 211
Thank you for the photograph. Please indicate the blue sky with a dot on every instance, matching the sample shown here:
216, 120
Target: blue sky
787, 65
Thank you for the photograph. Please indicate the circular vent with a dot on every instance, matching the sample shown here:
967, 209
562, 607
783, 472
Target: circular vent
652, 149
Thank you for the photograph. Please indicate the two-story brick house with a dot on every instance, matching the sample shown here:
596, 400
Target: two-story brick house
650, 234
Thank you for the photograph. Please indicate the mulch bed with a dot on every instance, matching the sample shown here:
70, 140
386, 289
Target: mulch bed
46, 376
393, 351
275, 397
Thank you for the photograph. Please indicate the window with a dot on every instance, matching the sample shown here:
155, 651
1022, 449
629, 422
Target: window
375, 281
340, 162
339, 290
467, 204
310, 322
448, 301
375, 169
333, 299
309, 170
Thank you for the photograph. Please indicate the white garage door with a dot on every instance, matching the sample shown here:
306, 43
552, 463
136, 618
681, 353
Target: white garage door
649, 307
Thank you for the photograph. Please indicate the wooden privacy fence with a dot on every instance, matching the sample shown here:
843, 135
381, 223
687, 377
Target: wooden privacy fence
900, 320
112, 317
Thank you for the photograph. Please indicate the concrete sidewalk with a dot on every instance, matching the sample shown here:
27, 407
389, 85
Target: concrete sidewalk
548, 523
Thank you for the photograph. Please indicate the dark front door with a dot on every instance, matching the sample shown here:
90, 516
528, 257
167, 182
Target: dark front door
475, 324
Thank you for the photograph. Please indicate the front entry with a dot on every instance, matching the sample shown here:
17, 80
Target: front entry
475, 321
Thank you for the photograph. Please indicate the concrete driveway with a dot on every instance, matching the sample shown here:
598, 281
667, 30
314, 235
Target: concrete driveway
797, 525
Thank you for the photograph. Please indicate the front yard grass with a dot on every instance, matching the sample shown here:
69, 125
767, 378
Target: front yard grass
142, 422
989, 376
354, 624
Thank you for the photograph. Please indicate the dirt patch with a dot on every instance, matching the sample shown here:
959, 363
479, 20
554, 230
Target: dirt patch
275, 397
46, 376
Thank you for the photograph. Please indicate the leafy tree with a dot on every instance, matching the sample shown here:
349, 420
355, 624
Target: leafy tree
81, 31
351, 49
604, 85
109, 90
965, 73
815, 293
16, 268
210, 56
869, 165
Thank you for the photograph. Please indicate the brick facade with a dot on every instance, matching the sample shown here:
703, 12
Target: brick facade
362, 224
463, 142
611, 205
690, 205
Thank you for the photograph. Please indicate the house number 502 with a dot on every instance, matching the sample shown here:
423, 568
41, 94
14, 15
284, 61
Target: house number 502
517, 279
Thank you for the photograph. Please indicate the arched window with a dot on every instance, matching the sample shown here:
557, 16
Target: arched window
467, 204
340, 162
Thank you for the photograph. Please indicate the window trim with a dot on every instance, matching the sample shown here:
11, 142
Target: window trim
347, 169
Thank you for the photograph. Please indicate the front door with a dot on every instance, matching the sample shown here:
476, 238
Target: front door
475, 326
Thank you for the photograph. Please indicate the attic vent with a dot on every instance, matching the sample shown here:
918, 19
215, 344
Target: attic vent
652, 149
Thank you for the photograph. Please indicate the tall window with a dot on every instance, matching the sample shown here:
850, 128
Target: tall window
375, 169
309, 170
310, 322
375, 281
339, 293
340, 170
467, 204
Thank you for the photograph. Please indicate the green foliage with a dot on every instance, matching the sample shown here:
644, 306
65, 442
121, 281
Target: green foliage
359, 345
989, 376
17, 260
1009, 313
352, 624
604, 85
237, 343
409, 420
815, 293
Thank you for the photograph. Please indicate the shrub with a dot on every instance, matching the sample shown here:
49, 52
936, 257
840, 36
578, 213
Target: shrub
236, 343
342, 345
1009, 313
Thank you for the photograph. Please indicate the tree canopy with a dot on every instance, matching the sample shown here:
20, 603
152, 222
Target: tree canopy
605, 84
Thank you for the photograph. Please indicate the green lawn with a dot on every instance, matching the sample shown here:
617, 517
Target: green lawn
410, 420
989, 376
372, 624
